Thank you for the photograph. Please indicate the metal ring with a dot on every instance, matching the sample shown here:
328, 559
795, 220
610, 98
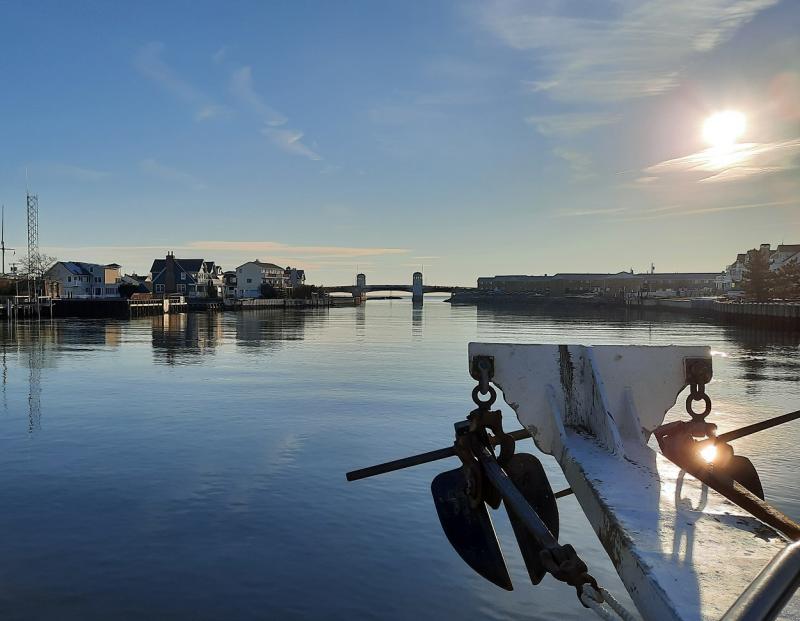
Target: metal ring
698, 397
477, 399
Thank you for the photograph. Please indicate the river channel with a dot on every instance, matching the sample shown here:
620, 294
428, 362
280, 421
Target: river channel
192, 466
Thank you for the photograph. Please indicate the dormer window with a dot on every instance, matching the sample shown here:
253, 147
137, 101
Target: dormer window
183, 275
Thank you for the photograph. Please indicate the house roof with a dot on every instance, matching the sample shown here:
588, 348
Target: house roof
567, 276
270, 266
187, 265
81, 268
682, 275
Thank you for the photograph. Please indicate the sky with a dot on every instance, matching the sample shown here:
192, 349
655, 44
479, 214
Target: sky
464, 138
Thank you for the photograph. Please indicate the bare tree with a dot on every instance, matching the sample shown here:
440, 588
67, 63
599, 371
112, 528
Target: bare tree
36, 265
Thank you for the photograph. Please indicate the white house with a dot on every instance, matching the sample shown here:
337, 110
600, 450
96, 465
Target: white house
77, 279
251, 275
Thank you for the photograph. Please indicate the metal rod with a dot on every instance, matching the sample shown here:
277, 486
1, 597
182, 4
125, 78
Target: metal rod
416, 460
399, 464
516, 501
563, 492
768, 593
756, 427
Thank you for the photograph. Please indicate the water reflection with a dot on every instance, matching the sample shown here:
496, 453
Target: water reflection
270, 329
416, 322
201, 451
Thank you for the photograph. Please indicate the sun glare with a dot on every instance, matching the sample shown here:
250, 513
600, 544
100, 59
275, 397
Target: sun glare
709, 453
723, 129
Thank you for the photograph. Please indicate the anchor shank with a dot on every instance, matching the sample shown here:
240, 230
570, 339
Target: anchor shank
516, 501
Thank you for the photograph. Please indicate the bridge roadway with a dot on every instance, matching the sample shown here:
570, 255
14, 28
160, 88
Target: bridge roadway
356, 291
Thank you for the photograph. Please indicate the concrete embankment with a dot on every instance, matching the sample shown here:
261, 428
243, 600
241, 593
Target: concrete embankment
782, 314
775, 313
122, 308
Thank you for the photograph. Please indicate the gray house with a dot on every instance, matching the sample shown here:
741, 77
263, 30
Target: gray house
189, 277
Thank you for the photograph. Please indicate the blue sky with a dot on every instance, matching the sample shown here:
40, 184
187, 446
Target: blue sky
473, 138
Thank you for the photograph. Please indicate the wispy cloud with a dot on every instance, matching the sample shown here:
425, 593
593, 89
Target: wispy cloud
678, 212
637, 50
570, 124
580, 213
290, 140
149, 63
78, 173
242, 88
219, 56
286, 139
154, 168
274, 247
580, 164
629, 214
734, 163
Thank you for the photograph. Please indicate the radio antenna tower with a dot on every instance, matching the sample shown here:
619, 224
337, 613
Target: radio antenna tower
33, 242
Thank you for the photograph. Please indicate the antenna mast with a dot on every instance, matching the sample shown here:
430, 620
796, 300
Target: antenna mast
3, 246
33, 241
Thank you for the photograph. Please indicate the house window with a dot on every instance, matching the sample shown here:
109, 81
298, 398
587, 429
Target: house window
249, 280
159, 288
69, 278
181, 288
183, 275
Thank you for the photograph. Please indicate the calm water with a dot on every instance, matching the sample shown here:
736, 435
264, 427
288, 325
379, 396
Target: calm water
193, 467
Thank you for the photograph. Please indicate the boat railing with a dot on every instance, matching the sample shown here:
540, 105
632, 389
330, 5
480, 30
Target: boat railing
766, 596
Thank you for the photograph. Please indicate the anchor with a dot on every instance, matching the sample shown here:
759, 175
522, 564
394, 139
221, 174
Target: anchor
486, 479
695, 447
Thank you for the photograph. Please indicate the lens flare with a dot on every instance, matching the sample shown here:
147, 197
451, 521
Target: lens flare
723, 129
709, 453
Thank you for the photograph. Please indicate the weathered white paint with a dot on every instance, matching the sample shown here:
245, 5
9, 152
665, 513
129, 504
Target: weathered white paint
682, 550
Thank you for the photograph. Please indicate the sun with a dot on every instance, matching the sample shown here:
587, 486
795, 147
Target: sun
723, 129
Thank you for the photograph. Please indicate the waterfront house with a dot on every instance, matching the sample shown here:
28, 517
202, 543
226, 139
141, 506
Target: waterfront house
78, 279
229, 279
252, 275
294, 277
190, 277
216, 279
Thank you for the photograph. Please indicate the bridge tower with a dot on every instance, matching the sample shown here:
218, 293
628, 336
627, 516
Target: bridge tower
416, 288
360, 294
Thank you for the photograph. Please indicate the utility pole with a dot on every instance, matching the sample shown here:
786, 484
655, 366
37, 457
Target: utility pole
3, 247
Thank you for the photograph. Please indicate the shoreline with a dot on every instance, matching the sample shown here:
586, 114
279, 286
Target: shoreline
779, 314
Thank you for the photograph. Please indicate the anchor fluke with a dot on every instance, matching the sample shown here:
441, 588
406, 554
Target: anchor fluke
528, 475
469, 528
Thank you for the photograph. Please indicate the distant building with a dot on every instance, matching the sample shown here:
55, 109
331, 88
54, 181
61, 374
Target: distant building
783, 255
78, 279
215, 281
140, 282
229, 278
189, 277
251, 275
294, 277
621, 283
